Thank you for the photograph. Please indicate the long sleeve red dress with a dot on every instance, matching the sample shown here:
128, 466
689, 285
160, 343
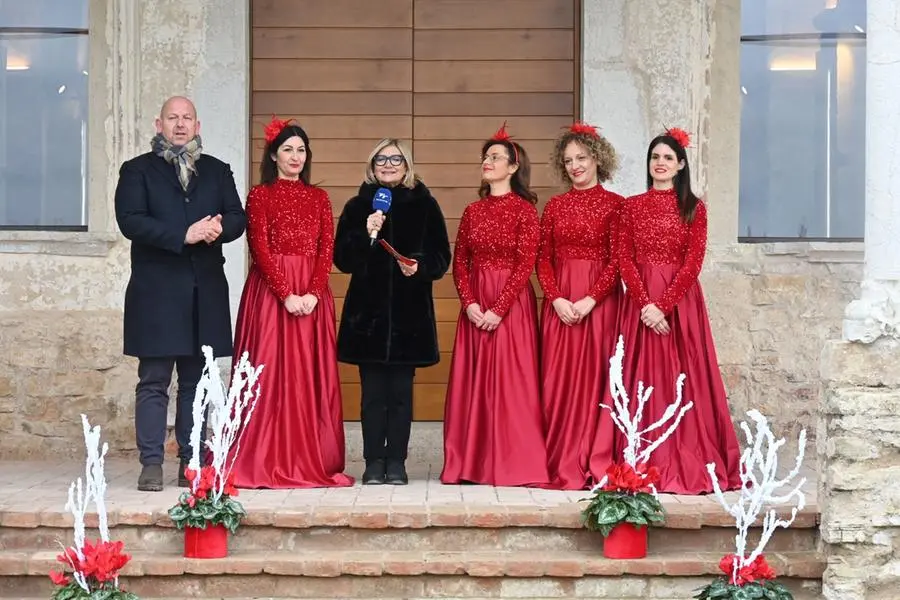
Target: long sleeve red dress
578, 258
660, 260
493, 427
295, 438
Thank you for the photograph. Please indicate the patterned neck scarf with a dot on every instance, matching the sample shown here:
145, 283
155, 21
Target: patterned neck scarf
181, 157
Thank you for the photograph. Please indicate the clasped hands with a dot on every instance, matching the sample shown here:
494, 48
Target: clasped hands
486, 321
655, 319
207, 229
572, 313
300, 306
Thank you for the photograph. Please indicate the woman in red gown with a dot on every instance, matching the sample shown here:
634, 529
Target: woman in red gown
578, 271
286, 322
493, 428
666, 327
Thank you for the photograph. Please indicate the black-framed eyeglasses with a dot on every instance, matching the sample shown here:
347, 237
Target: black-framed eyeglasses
395, 159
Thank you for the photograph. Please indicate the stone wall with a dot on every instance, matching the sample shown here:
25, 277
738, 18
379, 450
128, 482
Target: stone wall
61, 293
772, 306
859, 450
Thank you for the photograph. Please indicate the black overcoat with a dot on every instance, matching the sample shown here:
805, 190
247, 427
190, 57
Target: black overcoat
388, 318
162, 315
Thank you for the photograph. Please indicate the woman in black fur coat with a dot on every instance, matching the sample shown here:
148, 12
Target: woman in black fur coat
388, 325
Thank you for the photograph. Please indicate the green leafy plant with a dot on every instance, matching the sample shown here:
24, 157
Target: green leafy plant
625, 496
202, 506
722, 590
752, 581
74, 592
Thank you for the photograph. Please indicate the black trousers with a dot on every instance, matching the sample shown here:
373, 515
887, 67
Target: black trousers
387, 397
152, 402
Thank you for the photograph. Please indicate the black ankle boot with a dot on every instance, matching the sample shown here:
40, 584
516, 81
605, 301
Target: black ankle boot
395, 474
374, 473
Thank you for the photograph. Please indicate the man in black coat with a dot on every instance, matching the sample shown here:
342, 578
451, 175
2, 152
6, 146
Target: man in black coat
177, 206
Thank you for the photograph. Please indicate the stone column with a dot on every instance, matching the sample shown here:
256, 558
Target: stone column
877, 312
859, 429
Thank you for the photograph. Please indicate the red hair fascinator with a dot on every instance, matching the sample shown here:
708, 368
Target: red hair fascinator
679, 135
503, 136
274, 128
584, 129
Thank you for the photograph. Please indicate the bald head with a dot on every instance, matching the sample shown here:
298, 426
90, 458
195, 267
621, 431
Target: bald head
177, 121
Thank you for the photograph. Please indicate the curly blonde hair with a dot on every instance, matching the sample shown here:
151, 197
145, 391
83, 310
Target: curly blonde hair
597, 146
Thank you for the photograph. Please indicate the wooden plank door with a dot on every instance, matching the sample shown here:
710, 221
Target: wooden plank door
443, 74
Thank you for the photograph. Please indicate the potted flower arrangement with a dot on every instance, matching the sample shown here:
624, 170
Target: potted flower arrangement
624, 503
92, 567
622, 509
748, 575
208, 511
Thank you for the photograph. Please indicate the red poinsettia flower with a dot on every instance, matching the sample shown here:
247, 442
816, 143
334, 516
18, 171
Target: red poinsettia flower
100, 563
229, 488
624, 478
758, 570
59, 578
206, 483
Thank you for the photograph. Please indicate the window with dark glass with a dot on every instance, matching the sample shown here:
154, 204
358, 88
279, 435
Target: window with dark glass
803, 70
43, 114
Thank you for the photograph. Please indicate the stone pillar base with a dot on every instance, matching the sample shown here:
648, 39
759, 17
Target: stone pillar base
875, 314
859, 461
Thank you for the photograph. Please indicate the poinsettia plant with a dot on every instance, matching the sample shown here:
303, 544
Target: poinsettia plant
210, 498
627, 496
91, 568
201, 506
95, 569
748, 575
751, 581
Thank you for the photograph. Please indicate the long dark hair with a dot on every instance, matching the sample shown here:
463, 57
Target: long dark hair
520, 182
687, 200
268, 170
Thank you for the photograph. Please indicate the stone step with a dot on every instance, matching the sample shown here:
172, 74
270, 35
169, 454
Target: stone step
361, 574
405, 528
158, 538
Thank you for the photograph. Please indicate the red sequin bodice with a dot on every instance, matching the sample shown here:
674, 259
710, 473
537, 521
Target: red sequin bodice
290, 218
580, 224
653, 232
496, 233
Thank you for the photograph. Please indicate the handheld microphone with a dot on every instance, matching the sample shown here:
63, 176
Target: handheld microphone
381, 203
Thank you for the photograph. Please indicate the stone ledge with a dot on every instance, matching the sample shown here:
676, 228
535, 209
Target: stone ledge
804, 565
58, 243
818, 252
853, 364
563, 516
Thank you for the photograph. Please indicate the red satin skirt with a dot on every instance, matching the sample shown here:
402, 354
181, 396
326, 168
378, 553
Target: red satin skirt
706, 433
574, 377
295, 438
493, 426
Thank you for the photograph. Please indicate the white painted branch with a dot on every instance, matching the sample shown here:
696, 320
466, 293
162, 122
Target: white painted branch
629, 424
759, 488
228, 415
83, 492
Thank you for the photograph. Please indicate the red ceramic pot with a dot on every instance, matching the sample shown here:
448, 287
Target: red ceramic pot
211, 542
626, 541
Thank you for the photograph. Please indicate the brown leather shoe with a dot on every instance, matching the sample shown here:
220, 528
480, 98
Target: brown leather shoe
182, 478
150, 479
